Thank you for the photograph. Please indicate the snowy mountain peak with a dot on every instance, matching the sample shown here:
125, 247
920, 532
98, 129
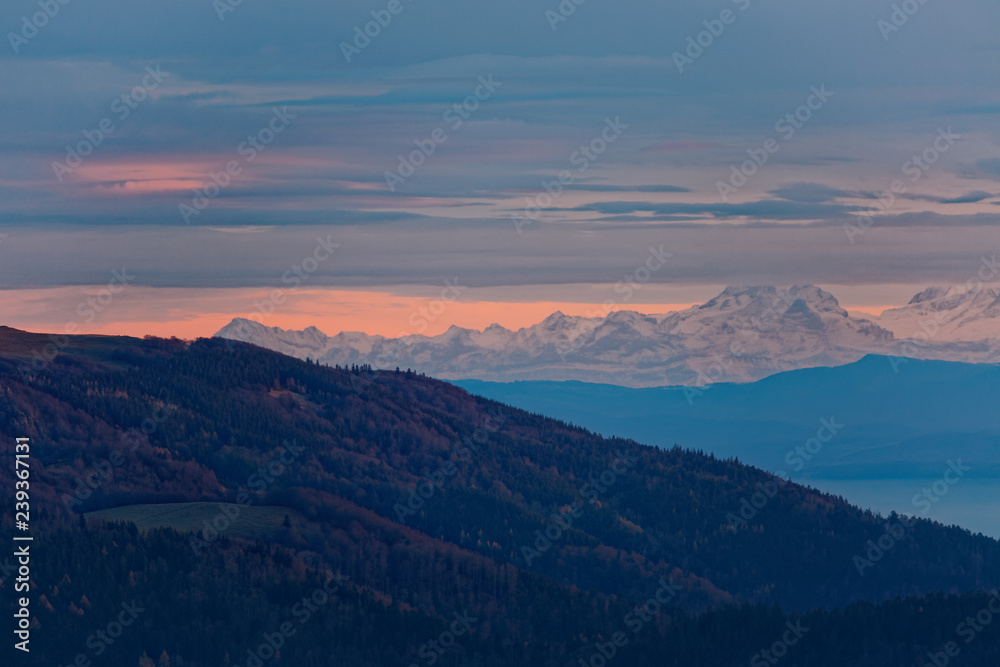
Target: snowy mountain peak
557, 319
969, 312
241, 323
818, 298
765, 297
242, 326
743, 334
627, 316
738, 296
938, 293
494, 337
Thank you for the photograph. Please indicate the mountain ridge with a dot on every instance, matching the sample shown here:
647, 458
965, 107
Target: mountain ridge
903, 423
743, 334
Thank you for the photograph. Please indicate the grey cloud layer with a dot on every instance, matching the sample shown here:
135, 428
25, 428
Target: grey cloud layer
354, 121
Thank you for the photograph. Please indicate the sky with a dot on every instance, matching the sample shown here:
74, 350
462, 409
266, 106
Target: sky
166, 167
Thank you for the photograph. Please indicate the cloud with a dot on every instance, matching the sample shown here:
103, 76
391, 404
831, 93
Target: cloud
356, 122
811, 193
968, 198
941, 221
768, 209
627, 188
548, 256
988, 168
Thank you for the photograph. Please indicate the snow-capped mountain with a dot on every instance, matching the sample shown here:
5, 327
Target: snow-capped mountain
744, 334
963, 313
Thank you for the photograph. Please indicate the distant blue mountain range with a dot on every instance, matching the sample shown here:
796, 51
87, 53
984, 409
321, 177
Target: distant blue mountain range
879, 431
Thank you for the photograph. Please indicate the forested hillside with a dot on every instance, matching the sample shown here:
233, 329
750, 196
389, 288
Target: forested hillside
429, 503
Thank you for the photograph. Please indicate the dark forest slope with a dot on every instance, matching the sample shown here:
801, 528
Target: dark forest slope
433, 502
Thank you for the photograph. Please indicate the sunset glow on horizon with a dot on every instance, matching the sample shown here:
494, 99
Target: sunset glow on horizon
196, 313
